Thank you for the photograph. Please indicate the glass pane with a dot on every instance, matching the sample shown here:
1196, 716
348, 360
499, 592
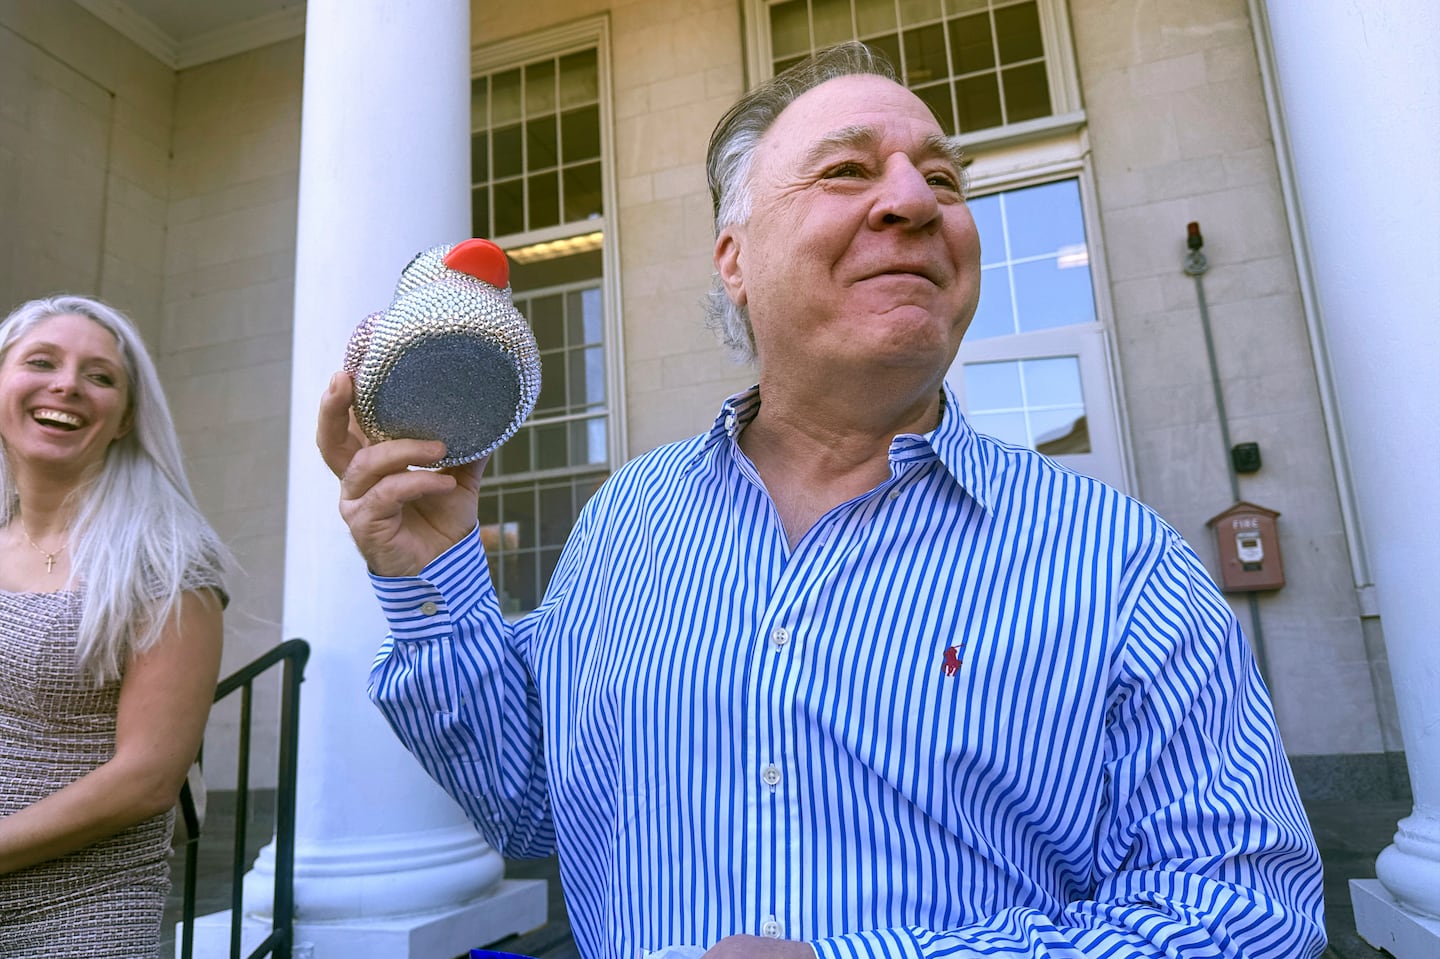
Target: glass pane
918, 11
1059, 432
1044, 220
1017, 32
966, 6
584, 317
888, 47
479, 103
515, 454
1054, 381
874, 16
509, 207
937, 98
925, 55
995, 315
480, 212
479, 158
549, 559
547, 319
551, 447
517, 572
544, 200
509, 161
985, 210
970, 44
582, 193
489, 510
520, 451
557, 513
789, 30
580, 449
1006, 427
505, 98
542, 147
552, 384
597, 443
518, 507
993, 386
1048, 296
580, 134
540, 88
579, 79
832, 21
978, 102
1027, 93
593, 362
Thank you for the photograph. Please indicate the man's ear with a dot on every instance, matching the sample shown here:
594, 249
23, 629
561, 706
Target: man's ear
727, 263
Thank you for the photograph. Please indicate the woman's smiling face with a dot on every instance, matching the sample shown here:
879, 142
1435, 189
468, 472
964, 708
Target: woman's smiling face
64, 396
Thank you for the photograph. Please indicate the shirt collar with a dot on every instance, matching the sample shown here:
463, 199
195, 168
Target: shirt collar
953, 442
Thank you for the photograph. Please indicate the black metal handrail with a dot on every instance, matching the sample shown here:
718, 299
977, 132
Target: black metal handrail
293, 653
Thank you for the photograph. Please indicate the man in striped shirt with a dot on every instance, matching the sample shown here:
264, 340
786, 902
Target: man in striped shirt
840, 676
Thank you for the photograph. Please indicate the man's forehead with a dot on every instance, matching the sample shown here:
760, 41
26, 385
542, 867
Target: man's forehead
866, 137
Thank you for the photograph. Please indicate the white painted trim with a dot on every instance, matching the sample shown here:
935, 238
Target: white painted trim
592, 31
246, 35
141, 31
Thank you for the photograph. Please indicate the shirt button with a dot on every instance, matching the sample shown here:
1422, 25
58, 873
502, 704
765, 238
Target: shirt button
895, 494
780, 636
771, 928
770, 774
428, 608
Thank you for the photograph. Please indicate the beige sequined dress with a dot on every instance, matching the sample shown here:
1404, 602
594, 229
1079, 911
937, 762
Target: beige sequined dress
102, 902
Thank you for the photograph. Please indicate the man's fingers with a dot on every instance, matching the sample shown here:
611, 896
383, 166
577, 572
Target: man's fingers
335, 432
392, 459
385, 498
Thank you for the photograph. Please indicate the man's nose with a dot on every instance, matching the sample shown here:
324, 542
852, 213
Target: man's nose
905, 198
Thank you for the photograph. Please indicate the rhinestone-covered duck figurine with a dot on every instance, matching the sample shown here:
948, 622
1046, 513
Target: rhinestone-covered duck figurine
451, 358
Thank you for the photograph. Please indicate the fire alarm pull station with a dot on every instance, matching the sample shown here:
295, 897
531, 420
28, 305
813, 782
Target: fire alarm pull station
1248, 544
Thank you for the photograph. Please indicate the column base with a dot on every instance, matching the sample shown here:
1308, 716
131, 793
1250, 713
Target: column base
1387, 925
515, 906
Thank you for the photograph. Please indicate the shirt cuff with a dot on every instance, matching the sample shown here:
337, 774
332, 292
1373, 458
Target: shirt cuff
448, 589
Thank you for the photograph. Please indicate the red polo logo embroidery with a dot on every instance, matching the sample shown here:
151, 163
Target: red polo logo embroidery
952, 662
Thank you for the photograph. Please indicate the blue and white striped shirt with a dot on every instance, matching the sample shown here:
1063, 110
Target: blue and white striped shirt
991, 707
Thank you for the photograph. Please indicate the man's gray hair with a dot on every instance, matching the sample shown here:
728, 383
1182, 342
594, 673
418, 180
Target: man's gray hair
732, 150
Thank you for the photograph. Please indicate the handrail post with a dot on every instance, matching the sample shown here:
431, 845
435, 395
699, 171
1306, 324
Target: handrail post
293, 654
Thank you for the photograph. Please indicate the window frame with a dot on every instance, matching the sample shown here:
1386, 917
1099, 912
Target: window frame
556, 42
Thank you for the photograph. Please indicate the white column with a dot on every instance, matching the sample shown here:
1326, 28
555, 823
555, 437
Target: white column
386, 864
1360, 86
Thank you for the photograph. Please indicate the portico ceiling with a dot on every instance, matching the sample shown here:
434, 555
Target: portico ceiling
184, 33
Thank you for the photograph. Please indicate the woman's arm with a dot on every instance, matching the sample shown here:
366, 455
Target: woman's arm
165, 700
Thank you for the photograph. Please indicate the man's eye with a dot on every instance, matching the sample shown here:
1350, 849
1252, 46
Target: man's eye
845, 170
945, 181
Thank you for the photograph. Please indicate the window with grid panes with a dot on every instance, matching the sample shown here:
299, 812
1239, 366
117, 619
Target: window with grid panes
977, 63
537, 190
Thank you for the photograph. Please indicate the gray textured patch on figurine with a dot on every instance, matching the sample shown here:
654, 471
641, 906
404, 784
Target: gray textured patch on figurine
450, 359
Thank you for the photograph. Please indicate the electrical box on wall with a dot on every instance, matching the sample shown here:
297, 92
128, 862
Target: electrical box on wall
1248, 544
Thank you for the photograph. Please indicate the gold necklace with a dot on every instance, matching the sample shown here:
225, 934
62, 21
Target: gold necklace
49, 557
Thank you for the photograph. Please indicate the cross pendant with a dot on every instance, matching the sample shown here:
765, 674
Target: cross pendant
49, 562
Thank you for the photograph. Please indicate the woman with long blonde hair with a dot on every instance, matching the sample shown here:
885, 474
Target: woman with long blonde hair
111, 590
